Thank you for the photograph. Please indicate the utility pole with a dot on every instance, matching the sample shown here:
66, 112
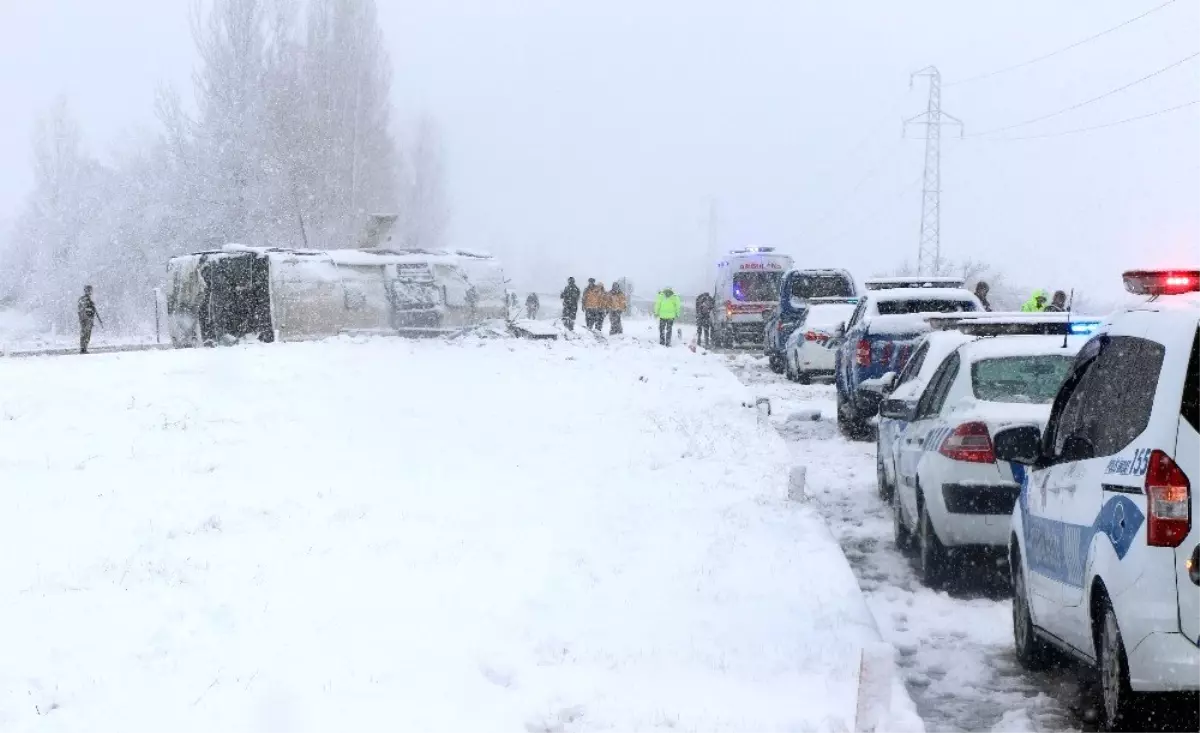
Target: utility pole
929, 252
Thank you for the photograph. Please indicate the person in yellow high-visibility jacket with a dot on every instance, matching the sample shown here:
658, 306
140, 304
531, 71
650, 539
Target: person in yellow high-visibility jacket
667, 307
1036, 302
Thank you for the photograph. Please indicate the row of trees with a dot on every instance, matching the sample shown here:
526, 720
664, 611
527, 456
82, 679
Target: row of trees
1003, 294
289, 140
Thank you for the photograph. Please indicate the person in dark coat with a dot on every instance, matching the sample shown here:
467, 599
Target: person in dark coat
1058, 304
570, 303
87, 314
531, 305
981, 291
704, 311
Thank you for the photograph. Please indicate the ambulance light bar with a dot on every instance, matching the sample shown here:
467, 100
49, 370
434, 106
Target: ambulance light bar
1162, 282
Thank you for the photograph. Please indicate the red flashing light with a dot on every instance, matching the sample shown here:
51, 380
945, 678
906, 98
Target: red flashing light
1162, 282
970, 442
1169, 518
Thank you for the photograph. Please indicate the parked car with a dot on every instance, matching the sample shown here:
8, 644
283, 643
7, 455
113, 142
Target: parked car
880, 335
1104, 550
948, 492
808, 353
796, 289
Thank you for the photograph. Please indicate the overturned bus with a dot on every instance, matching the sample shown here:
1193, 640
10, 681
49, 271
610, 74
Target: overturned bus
275, 294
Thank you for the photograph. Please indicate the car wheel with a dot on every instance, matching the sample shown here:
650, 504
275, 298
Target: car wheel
776, 363
849, 423
1118, 700
803, 377
903, 535
789, 367
933, 553
1032, 653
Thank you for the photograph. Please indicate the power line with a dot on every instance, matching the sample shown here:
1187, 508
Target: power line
1076, 106
1101, 127
1052, 54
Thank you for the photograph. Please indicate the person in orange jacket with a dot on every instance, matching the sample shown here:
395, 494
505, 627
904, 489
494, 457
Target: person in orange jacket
616, 307
593, 304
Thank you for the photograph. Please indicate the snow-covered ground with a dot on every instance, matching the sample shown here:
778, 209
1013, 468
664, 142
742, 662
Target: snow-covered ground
484, 534
955, 648
21, 333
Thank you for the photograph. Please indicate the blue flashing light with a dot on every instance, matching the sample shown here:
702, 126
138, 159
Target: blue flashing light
1083, 328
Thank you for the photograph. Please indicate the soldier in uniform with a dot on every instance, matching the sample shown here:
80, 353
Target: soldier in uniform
87, 314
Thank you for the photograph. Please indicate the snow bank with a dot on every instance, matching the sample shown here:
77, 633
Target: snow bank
488, 534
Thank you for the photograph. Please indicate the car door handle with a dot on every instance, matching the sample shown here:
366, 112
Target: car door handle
1069, 488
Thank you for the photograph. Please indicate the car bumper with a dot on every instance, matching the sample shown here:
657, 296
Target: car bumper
814, 359
1164, 662
962, 529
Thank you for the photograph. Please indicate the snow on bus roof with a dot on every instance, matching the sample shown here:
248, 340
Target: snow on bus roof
368, 257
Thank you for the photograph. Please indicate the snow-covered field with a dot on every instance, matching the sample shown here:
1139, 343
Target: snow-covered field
369, 534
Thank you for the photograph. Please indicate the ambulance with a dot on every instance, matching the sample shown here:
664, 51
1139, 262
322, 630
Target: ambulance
747, 286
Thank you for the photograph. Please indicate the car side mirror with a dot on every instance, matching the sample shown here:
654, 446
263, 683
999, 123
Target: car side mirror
1022, 444
880, 386
897, 409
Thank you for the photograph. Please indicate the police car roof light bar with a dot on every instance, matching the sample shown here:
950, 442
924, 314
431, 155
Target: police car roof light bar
1162, 282
891, 283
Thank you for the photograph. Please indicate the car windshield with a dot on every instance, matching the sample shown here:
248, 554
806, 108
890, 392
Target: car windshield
923, 305
756, 287
830, 285
1025, 379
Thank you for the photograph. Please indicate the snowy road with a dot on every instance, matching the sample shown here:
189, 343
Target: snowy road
955, 648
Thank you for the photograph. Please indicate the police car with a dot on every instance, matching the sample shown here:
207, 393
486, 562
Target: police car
1104, 548
989, 373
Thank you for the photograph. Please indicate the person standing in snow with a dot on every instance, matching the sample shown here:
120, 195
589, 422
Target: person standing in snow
704, 311
981, 291
531, 305
87, 313
1036, 302
593, 303
1058, 304
667, 306
616, 307
570, 304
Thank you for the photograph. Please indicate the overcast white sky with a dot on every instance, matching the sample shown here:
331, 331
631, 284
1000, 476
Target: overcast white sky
588, 137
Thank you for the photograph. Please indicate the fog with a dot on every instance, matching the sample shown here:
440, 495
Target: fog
614, 138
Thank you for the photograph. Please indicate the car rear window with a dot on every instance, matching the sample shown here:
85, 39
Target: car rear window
829, 315
830, 285
756, 287
1191, 389
1026, 379
923, 305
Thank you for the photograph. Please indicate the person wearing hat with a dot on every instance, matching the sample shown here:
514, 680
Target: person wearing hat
667, 307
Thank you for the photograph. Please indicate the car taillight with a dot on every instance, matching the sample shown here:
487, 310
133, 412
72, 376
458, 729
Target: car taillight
887, 353
779, 326
729, 309
810, 336
1169, 494
970, 442
862, 352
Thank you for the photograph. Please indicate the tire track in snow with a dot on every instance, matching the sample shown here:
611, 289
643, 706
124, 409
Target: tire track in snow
954, 648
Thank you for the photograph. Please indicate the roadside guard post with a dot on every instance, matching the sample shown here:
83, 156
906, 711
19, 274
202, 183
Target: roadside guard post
763, 405
874, 687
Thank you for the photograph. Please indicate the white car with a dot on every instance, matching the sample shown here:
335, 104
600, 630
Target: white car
949, 491
811, 346
1104, 547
